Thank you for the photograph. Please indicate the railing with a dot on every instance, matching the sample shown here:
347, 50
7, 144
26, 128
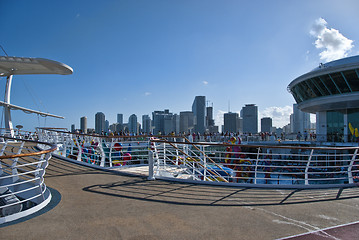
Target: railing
177, 158
257, 165
100, 151
22, 169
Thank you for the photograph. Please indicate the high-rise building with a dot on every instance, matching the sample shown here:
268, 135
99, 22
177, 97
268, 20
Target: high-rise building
250, 118
120, 118
159, 124
107, 126
132, 124
99, 122
176, 123
73, 128
209, 117
146, 124
231, 122
83, 124
199, 112
186, 121
266, 124
300, 121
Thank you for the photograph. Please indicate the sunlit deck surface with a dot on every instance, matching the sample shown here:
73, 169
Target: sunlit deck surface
110, 205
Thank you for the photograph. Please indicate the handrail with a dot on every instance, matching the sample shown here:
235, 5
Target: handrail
276, 163
258, 146
22, 185
201, 163
111, 136
53, 148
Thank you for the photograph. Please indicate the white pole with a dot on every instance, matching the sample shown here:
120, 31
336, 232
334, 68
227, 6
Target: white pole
8, 122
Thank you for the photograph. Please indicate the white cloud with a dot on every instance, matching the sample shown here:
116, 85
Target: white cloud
333, 43
147, 94
205, 82
280, 115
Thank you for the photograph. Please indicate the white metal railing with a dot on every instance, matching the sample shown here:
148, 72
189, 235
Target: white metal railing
249, 165
99, 151
22, 169
276, 165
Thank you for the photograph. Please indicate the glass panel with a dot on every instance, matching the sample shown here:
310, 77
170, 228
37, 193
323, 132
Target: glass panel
339, 80
306, 92
329, 83
321, 86
352, 79
335, 126
353, 119
313, 88
296, 93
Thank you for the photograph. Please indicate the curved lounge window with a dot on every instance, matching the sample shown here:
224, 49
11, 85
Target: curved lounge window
352, 78
326, 85
340, 82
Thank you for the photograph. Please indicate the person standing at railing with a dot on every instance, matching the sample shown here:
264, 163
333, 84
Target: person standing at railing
299, 136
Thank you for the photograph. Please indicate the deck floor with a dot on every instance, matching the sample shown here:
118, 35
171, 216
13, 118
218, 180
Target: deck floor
109, 205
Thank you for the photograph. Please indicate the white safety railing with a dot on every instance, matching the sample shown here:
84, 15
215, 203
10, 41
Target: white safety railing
176, 158
22, 169
99, 151
250, 165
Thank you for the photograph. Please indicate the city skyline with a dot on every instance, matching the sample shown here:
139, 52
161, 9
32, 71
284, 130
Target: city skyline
135, 57
166, 122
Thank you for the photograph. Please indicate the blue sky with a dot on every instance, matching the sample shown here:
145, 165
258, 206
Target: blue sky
138, 56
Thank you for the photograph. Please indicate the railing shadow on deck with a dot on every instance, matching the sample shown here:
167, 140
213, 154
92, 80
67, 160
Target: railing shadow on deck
202, 195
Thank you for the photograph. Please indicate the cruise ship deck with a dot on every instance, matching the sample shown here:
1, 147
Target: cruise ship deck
89, 203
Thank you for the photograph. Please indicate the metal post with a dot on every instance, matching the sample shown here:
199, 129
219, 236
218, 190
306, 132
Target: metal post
255, 170
13, 166
1, 153
150, 165
8, 122
350, 174
306, 182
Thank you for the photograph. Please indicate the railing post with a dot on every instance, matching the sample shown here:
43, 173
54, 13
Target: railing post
306, 181
1, 153
350, 174
255, 170
13, 166
150, 165
79, 148
103, 155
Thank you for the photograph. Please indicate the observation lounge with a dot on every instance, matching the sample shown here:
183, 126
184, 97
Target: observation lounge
331, 91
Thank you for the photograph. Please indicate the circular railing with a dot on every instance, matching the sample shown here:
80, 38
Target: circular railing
22, 168
278, 165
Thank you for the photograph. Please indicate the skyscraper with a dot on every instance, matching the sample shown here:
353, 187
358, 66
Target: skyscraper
300, 121
132, 124
250, 118
231, 122
99, 122
120, 118
186, 121
146, 124
199, 112
266, 124
83, 124
159, 124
